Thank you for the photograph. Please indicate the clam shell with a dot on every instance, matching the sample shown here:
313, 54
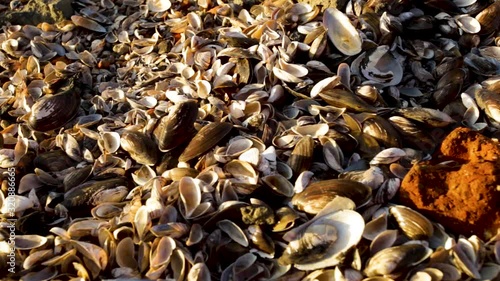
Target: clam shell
332, 236
206, 138
414, 225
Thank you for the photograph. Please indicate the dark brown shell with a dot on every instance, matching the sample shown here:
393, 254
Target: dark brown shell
206, 138
177, 127
140, 147
82, 194
52, 112
343, 98
320, 193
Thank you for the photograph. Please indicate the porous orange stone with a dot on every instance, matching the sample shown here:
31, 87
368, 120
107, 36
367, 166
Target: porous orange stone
463, 196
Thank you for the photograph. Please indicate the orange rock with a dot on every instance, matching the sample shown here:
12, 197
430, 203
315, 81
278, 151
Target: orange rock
464, 196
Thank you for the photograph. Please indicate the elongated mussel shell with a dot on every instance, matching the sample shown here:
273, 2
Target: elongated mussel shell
82, 194
320, 193
140, 147
301, 158
177, 127
206, 138
341, 32
52, 112
342, 98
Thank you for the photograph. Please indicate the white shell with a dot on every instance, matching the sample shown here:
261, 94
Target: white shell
341, 32
158, 6
349, 225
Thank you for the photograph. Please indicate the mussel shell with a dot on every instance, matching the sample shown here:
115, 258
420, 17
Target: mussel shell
343, 98
76, 177
206, 138
52, 112
380, 129
53, 161
82, 194
140, 147
489, 19
177, 127
301, 158
448, 87
320, 193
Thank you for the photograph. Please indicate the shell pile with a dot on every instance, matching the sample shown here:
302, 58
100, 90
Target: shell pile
202, 140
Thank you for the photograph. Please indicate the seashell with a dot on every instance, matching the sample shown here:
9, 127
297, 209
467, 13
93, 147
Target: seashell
468, 24
30, 241
285, 219
53, 112
324, 241
380, 129
125, 253
341, 32
395, 259
176, 128
318, 194
83, 194
314, 130
301, 158
488, 18
199, 271
448, 87
158, 6
162, 253
233, 231
414, 225
48, 273
279, 184
195, 235
379, 66
346, 99
388, 156
261, 240
465, 257
140, 147
87, 23
205, 139
77, 177
490, 103
37, 257
428, 116
106, 211
83, 228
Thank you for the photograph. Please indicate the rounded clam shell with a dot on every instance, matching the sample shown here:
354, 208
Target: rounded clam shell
349, 226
